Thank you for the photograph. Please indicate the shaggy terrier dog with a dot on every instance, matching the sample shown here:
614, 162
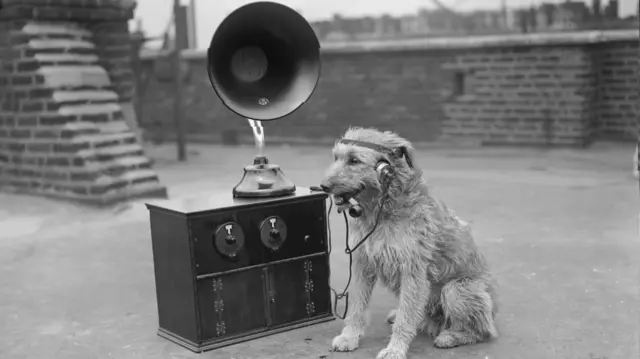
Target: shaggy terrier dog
420, 250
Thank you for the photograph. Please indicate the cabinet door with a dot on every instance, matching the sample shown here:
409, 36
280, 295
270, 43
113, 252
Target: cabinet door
298, 290
232, 304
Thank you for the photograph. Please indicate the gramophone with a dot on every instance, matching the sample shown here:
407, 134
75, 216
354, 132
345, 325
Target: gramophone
263, 69
238, 265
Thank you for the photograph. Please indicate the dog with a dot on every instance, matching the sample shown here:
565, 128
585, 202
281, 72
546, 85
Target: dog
420, 250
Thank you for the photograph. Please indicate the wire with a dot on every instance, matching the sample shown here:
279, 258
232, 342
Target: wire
348, 250
345, 294
338, 296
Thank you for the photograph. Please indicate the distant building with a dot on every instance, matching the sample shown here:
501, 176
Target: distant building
570, 15
611, 11
442, 21
567, 15
387, 26
546, 15
368, 25
341, 28
511, 20
596, 10
414, 24
486, 20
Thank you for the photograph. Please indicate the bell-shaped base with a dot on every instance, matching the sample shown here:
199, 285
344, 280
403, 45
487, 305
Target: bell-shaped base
263, 180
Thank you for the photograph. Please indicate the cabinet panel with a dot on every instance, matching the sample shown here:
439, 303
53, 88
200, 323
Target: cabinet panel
306, 234
232, 303
298, 290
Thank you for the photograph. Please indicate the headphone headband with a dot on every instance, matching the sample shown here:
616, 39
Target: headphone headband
395, 152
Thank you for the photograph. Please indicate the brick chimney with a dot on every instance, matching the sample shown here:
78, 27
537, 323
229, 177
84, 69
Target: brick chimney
67, 125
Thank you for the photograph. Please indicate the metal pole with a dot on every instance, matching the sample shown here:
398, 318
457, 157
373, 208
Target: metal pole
638, 115
192, 25
177, 84
137, 41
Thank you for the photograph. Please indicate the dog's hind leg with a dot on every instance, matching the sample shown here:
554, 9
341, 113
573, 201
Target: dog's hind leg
429, 325
468, 314
364, 280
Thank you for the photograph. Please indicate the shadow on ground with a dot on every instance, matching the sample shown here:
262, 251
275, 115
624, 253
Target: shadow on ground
558, 227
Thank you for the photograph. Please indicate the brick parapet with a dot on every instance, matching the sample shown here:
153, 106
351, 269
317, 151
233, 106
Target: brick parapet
556, 89
448, 44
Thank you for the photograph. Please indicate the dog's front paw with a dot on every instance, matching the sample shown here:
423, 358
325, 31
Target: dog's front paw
345, 343
391, 353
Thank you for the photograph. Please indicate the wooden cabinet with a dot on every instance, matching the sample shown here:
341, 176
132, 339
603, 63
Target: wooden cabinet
229, 270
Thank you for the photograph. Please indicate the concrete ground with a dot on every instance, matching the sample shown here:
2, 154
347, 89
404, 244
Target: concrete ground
560, 229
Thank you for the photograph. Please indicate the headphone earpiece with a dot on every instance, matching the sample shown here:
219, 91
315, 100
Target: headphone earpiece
386, 172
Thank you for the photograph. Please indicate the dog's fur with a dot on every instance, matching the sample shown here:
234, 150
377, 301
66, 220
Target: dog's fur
420, 250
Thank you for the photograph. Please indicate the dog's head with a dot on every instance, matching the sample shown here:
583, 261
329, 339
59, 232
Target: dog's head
356, 157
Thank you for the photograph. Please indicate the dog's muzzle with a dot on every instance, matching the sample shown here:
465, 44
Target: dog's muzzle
339, 200
341, 197
343, 202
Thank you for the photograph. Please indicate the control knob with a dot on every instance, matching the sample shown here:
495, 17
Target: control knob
273, 232
229, 240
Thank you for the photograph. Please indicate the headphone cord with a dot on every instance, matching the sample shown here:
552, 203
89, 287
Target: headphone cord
345, 294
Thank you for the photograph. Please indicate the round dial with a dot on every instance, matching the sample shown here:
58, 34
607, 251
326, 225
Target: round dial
273, 232
229, 240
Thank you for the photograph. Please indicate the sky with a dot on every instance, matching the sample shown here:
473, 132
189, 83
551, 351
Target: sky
154, 15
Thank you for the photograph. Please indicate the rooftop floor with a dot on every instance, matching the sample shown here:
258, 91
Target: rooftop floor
559, 228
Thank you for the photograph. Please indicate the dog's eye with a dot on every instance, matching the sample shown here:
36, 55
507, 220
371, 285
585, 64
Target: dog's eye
354, 161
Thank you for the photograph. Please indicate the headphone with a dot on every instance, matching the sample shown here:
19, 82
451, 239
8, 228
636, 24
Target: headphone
386, 171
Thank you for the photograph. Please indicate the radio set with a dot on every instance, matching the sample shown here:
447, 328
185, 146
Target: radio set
253, 261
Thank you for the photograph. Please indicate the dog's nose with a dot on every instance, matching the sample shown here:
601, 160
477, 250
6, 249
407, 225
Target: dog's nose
325, 188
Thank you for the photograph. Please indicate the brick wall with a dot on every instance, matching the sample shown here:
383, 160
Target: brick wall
64, 130
558, 89
618, 88
524, 95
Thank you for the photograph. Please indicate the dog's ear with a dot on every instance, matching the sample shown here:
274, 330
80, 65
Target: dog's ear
407, 153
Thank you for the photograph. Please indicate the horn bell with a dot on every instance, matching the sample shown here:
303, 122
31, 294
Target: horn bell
264, 61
